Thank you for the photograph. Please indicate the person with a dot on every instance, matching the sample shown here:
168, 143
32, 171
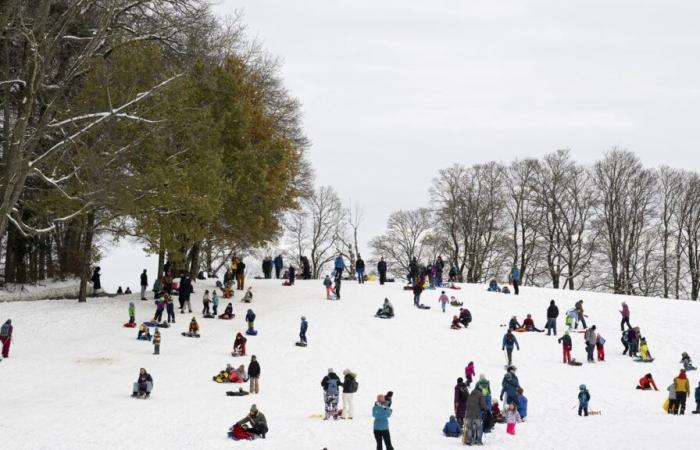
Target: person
697, 400
682, 388
120, 291
461, 394
250, 319
509, 386
6, 337
381, 269
360, 269
417, 290
330, 384
350, 386
452, 428
144, 333
580, 316
512, 417
413, 271
443, 300
160, 306
381, 413
257, 421
671, 398
144, 284
625, 340
465, 317
291, 273
590, 338
156, 342
438, 267
644, 353
469, 372
522, 403
386, 311
566, 346
96, 284
552, 314
128, 291
144, 385
336, 289
476, 403
515, 279
157, 289
570, 318
529, 324
625, 312
193, 330
455, 323
279, 264
493, 286
687, 362
514, 324
328, 283
132, 314
305, 268
228, 313
240, 275
248, 296
169, 307
205, 302
267, 267
302, 330
214, 302
339, 266
646, 383
600, 347
509, 341
485, 387
452, 274
184, 291
633, 341
254, 375
239, 345
583, 398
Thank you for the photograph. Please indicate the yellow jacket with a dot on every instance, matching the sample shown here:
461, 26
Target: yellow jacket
681, 385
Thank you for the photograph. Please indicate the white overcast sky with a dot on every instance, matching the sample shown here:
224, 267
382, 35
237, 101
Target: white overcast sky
395, 90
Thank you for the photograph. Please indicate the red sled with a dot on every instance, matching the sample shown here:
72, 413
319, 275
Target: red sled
286, 283
238, 433
130, 325
455, 287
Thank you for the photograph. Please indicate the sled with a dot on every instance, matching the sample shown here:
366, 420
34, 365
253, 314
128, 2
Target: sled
227, 318
456, 303
300, 344
209, 316
130, 325
644, 360
575, 363
238, 393
595, 413
157, 325
457, 288
251, 332
190, 334
408, 288
422, 306
286, 283
384, 317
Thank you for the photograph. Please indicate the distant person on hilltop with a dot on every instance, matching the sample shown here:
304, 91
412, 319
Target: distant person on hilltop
339, 266
381, 269
144, 284
279, 264
267, 267
360, 269
96, 284
552, 314
625, 312
515, 278
6, 337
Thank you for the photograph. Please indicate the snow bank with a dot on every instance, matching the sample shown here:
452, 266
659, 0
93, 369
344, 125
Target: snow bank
50, 290
68, 380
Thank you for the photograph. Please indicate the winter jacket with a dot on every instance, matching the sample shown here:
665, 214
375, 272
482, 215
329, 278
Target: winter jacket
279, 262
215, 299
671, 392
360, 264
444, 299
513, 324
509, 341
381, 267
590, 336
452, 427
254, 369
465, 316
350, 383
552, 312
475, 403
339, 262
484, 386
625, 310
156, 338
144, 279
680, 384
515, 274
132, 310
330, 383
327, 282
381, 416
144, 378
528, 324
512, 416
510, 385
522, 406
566, 341
250, 316
461, 395
258, 421
6, 329
584, 397
646, 383
469, 371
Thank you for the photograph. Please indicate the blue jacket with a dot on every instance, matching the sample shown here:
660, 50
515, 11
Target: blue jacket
583, 398
514, 343
510, 385
250, 316
515, 274
339, 263
697, 395
381, 416
452, 427
522, 406
327, 281
304, 326
279, 263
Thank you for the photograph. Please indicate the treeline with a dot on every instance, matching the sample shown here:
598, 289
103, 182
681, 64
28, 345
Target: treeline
139, 118
616, 226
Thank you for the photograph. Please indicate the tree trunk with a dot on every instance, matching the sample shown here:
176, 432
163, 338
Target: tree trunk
194, 260
86, 255
50, 273
42, 258
161, 256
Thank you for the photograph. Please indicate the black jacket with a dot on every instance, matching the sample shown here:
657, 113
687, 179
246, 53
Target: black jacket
348, 385
330, 376
565, 340
254, 369
144, 279
552, 312
360, 264
381, 267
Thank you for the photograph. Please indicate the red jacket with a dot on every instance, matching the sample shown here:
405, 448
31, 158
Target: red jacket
645, 383
528, 323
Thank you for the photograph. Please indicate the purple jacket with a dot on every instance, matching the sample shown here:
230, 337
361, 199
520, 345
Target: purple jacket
625, 310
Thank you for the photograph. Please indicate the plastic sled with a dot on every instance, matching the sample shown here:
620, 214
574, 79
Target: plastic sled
457, 288
190, 334
130, 325
239, 393
286, 283
644, 360
422, 306
300, 344
574, 363
251, 332
209, 316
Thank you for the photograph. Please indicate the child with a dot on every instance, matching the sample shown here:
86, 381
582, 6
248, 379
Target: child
248, 297
239, 345
522, 404
443, 300
156, 342
170, 308
647, 383
214, 302
455, 323
194, 328
644, 352
687, 362
144, 334
600, 347
571, 316
583, 398
250, 319
132, 313
452, 428
329, 287
566, 346
128, 290
469, 372
512, 417
205, 301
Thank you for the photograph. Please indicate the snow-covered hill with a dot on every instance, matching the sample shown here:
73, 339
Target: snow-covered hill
71, 367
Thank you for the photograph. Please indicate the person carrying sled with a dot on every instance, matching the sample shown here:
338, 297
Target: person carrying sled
257, 421
465, 317
509, 341
443, 300
514, 324
552, 314
143, 385
239, 345
330, 384
644, 353
386, 311
566, 346
529, 324
583, 398
328, 283
687, 362
646, 383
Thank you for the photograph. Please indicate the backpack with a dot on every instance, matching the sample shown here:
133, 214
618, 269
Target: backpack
510, 339
354, 384
332, 386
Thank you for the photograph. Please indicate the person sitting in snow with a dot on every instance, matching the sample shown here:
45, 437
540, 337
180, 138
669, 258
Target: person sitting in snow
248, 297
522, 404
493, 286
646, 383
120, 291
687, 362
529, 325
194, 329
386, 311
454, 302
224, 375
143, 385
505, 290
239, 345
144, 333
257, 421
128, 291
465, 317
228, 313
452, 428
496, 414
328, 284
514, 324
455, 323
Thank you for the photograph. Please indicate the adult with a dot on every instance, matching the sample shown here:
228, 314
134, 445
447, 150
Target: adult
302, 330
257, 421
461, 394
144, 284
381, 413
339, 266
240, 275
417, 290
291, 273
305, 268
515, 278
529, 324
6, 337
381, 269
552, 314
267, 267
452, 274
96, 284
647, 383
413, 271
580, 317
625, 312
331, 388
682, 388
360, 269
143, 385
336, 285
509, 341
475, 425
439, 267
279, 264
465, 317
254, 375
590, 337
349, 388
510, 385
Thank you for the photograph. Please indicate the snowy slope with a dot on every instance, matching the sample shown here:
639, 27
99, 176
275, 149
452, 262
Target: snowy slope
68, 381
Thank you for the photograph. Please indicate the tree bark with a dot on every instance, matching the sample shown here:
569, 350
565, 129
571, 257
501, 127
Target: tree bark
86, 256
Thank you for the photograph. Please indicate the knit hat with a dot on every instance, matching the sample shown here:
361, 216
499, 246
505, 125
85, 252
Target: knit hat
303, 318
253, 408
346, 371
330, 370
482, 377
582, 387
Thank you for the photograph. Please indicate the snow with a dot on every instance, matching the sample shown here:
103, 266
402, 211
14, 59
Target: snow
67, 382
42, 290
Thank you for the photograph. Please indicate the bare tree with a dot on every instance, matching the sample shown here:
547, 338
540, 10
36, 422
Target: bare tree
668, 198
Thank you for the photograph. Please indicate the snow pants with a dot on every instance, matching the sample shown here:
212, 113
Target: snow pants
510, 428
383, 434
331, 401
348, 407
254, 385
567, 354
601, 352
6, 341
625, 320
329, 291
